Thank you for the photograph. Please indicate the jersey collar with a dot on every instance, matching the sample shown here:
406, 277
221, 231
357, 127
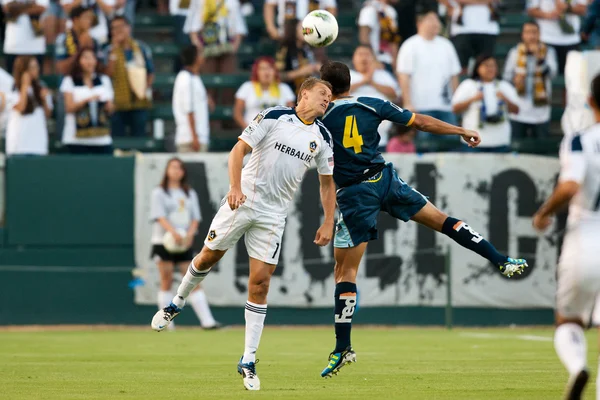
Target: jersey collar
303, 121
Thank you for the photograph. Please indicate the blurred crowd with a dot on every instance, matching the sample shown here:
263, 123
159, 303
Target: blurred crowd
435, 58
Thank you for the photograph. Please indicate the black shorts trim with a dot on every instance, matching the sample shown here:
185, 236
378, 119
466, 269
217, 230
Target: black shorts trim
159, 251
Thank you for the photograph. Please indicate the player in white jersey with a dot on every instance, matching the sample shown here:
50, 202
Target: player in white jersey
283, 142
579, 265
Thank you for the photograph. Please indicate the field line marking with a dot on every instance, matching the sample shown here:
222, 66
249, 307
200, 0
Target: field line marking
483, 335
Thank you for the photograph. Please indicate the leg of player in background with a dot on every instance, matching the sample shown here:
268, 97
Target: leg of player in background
256, 311
165, 270
464, 235
571, 347
197, 271
199, 303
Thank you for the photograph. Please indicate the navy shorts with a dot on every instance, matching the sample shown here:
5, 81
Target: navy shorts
361, 203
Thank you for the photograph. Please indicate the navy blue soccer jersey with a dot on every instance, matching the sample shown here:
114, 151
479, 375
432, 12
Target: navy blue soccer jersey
353, 124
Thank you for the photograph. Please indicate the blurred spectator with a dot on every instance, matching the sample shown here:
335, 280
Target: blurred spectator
402, 141
428, 69
264, 90
7, 83
132, 73
559, 23
474, 28
530, 66
590, 29
74, 39
26, 130
24, 32
54, 21
485, 101
277, 12
88, 103
378, 27
103, 10
191, 104
179, 10
367, 80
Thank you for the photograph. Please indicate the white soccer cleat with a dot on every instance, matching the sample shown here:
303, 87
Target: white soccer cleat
248, 372
513, 266
162, 319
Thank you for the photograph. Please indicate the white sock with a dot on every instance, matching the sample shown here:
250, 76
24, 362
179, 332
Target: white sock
164, 299
190, 280
571, 347
200, 305
255, 321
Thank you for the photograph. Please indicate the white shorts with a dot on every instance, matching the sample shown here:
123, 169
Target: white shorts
578, 283
262, 232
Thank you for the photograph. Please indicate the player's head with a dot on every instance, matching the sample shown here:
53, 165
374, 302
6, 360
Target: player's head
363, 58
338, 75
314, 95
485, 69
191, 57
595, 94
175, 173
428, 24
530, 32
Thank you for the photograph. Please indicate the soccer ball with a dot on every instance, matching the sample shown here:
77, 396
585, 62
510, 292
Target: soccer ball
319, 28
171, 245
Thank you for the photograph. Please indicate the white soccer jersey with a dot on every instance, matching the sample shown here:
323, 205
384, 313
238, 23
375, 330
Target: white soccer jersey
282, 149
580, 162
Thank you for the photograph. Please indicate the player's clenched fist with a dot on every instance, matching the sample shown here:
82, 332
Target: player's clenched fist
235, 198
324, 234
471, 137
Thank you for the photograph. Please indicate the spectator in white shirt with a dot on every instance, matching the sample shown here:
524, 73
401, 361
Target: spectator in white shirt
24, 33
474, 28
366, 79
191, 104
88, 104
378, 27
262, 91
7, 82
26, 131
428, 69
530, 66
104, 10
559, 22
485, 102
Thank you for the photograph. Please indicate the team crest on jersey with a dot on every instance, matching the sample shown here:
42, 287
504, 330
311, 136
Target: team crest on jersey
312, 146
259, 117
211, 236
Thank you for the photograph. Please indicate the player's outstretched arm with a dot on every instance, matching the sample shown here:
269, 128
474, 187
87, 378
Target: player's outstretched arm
235, 197
429, 124
562, 195
325, 232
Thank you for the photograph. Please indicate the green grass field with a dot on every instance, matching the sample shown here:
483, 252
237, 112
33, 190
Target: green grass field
192, 364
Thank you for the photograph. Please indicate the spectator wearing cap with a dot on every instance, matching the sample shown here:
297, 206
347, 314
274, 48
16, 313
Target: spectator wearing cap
530, 66
132, 73
24, 34
366, 79
75, 38
103, 11
485, 102
474, 28
559, 23
378, 27
428, 68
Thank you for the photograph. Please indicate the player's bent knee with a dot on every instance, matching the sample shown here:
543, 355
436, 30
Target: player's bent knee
560, 320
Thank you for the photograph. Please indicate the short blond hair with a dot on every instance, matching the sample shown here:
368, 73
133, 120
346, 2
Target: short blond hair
310, 83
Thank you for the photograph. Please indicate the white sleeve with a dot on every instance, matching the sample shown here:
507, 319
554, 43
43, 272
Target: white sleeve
286, 93
510, 64
43, 3
106, 82
328, 4
242, 92
193, 20
67, 85
324, 159
196, 215
182, 92
367, 17
157, 204
533, 3
572, 161
464, 91
404, 64
510, 92
455, 67
240, 27
260, 126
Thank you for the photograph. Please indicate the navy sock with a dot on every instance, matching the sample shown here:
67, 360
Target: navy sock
345, 302
462, 234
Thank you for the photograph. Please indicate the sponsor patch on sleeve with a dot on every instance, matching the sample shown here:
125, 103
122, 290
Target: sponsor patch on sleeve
330, 161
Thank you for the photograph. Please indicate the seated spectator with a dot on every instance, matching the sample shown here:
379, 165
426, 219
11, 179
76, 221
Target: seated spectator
402, 141
378, 27
264, 90
88, 104
474, 28
31, 103
74, 39
103, 11
428, 69
559, 24
485, 101
132, 74
191, 104
530, 66
276, 12
590, 29
24, 33
367, 80
7, 82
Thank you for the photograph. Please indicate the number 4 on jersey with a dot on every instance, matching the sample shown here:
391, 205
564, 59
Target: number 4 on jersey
352, 137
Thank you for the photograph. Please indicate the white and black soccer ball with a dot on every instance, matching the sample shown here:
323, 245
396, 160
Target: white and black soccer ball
319, 28
171, 245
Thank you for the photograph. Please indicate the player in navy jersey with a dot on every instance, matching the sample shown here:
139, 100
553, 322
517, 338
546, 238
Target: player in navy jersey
368, 185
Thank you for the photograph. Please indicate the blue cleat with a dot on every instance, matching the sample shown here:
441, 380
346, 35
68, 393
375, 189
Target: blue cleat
513, 266
248, 373
337, 361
